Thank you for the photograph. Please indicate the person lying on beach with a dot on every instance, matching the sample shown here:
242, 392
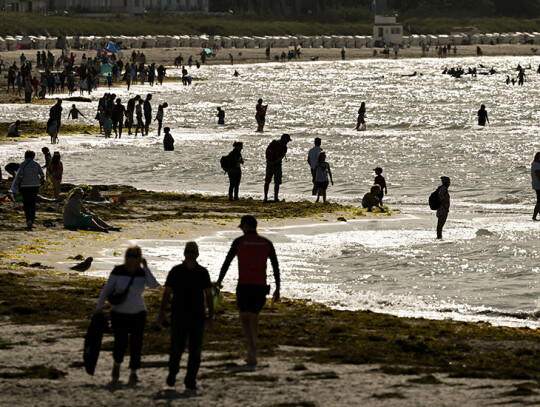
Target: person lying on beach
76, 216
371, 200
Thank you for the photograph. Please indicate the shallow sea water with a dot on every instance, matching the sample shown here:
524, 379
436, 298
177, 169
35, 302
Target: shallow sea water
418, 129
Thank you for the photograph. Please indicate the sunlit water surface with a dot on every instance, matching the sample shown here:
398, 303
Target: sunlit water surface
418, 129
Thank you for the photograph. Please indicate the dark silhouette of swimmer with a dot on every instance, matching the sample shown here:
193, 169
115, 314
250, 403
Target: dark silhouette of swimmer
482, 116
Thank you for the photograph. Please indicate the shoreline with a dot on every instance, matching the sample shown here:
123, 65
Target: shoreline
306, 347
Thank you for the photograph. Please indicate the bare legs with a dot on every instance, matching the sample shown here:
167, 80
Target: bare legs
441, 220
267, 188
250, 326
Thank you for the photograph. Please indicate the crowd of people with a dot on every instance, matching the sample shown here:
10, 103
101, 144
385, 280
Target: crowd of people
55, 76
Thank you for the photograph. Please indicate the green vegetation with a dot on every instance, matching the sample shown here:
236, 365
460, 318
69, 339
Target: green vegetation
30, 128
422, 20
398, 345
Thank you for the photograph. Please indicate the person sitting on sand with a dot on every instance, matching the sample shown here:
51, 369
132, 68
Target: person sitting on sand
13, 130
168, 140
76, 216
371, 200
95, 195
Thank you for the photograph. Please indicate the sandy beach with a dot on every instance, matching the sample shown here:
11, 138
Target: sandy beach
312, 354
41, 345
166, 56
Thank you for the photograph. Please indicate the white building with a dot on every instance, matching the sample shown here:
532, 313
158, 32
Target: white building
386, 30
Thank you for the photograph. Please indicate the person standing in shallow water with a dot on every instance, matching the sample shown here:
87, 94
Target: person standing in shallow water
360, 122
159, 116
189, 285
147, 109
168, 140
535, 174
235, 170
275, 153
482, 116
313, 156
444, 207
260, 116
221, 116
128, 318
253, 252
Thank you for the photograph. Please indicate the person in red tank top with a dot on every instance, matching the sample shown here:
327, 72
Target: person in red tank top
253, 252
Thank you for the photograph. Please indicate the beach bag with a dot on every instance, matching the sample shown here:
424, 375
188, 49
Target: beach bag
272, 150
116, 298
434, 201
225, 163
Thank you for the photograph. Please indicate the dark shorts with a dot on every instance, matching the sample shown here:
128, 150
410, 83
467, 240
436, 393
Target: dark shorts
322, 185
274, 171
251, 298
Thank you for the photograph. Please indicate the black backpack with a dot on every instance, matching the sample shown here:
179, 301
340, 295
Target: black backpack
434, 201
225, 163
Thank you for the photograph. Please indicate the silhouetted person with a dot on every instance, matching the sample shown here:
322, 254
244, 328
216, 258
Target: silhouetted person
275, 153
189, 285
444, 205
482, 116
260, 116
253, 252
235, 170
535, 174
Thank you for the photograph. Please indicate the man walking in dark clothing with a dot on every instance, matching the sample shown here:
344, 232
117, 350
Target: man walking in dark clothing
189, 284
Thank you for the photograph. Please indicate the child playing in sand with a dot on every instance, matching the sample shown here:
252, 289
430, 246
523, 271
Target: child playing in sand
107, 126
379, 180
322, 172
371, 199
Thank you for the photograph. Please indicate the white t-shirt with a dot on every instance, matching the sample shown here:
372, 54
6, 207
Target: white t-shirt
313, 155
535, 180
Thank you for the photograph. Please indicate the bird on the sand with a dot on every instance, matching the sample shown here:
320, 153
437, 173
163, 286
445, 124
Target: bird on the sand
85, 265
